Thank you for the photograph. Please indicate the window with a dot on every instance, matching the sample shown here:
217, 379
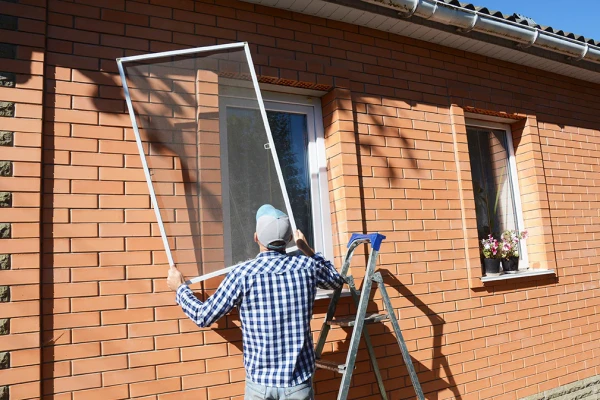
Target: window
495, 184
296, 126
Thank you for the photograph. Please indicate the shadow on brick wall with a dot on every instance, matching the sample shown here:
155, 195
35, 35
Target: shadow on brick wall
58, 345
431, 378
436, 380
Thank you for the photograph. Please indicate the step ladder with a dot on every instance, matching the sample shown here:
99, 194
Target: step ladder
362, 319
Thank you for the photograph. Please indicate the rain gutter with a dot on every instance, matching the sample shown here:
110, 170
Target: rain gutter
466, 20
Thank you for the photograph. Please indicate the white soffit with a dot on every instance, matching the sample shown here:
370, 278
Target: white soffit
342, 13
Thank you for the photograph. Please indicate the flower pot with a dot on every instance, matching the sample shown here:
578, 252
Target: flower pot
510, 265
491, 266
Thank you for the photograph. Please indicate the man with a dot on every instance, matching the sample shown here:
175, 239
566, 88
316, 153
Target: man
274, 293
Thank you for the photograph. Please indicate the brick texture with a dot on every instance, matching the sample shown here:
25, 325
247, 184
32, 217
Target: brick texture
83, 235
22, 57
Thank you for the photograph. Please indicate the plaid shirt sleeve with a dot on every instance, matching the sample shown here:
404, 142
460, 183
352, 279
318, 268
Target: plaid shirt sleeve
204, 314
327, 275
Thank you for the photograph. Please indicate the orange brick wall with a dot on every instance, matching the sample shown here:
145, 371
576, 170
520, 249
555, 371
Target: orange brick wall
398, 164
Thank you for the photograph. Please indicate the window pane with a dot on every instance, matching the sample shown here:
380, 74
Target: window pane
252, 177
492, 186
291, 142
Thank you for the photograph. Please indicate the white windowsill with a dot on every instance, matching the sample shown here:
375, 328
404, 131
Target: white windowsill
520, 274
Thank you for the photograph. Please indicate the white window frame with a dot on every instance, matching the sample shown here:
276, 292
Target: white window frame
317, 162
514, 178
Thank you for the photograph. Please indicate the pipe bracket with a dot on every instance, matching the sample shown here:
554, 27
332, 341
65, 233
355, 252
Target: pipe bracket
412, 10
528, 45
469, 29
583, 54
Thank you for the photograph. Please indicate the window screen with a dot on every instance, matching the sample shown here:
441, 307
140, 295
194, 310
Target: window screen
176, 104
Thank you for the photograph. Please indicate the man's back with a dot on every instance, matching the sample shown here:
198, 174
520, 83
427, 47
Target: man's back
276, 311
275, 295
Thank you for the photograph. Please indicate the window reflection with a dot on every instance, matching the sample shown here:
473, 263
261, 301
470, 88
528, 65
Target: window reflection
252, 173
291, 142
492, 185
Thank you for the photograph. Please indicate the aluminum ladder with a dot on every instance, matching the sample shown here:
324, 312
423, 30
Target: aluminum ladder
362, 319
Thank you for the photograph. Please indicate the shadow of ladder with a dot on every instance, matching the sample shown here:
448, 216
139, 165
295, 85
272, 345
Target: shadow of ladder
362, 319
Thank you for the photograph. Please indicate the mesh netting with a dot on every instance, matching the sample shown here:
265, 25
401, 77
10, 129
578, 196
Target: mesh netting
208, 153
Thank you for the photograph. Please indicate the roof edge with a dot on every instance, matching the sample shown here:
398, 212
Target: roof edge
465, 20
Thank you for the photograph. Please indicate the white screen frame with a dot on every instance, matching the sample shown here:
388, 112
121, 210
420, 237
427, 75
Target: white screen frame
154, 202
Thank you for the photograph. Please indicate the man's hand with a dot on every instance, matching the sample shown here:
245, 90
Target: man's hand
175, 278
302, 244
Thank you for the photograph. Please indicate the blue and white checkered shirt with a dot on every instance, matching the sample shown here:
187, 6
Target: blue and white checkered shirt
275, 295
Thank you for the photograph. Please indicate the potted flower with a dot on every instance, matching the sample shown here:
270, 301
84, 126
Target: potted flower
490, 249
509, 250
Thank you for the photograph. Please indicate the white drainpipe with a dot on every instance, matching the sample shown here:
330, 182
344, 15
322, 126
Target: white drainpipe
468, 20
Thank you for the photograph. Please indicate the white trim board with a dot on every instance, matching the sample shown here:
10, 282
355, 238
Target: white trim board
520, 274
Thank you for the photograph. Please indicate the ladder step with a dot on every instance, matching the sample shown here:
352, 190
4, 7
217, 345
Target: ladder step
349, 321
331, 365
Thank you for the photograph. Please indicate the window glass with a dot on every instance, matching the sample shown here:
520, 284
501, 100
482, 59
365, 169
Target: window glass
492, 184
291, 142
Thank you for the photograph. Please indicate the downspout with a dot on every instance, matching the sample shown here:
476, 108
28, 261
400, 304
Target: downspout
467, 20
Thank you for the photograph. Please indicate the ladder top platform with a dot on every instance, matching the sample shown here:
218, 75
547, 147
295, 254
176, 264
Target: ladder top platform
374, 238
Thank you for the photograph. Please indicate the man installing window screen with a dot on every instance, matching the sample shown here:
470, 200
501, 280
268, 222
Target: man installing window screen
275, 293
